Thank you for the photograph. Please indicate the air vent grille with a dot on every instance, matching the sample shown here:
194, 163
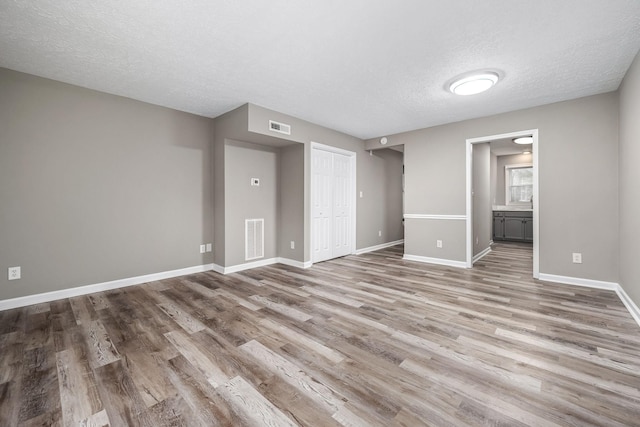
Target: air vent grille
279, 127
254, 238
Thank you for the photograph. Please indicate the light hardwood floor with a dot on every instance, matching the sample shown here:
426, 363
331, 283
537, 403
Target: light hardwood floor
368, 340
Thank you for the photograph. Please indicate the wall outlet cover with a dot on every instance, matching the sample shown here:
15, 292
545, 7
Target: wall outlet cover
438, 243
203, 249
208, 247
577, 258
14, 273
255, 182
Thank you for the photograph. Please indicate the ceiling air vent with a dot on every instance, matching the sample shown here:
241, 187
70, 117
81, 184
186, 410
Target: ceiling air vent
279, 127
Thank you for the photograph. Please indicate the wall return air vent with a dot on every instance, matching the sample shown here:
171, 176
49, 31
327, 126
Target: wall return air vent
254, 238
279, 127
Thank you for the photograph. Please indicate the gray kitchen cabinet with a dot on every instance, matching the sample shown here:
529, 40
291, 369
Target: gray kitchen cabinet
514, 226
498, 225
528, 229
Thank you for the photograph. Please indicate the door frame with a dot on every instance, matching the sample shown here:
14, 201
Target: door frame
536, 192
352, 190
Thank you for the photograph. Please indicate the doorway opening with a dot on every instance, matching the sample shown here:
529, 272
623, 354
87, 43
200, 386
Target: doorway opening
534, 201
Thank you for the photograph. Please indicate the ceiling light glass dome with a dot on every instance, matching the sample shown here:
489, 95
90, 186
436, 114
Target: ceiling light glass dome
474, 84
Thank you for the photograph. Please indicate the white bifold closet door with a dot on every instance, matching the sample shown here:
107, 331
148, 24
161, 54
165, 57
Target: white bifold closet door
332, 210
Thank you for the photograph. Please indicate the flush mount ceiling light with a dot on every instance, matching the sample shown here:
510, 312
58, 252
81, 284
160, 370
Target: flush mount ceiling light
475, 83
523, 140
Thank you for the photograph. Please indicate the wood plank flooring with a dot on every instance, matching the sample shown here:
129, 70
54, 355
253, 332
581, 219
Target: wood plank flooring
368, 340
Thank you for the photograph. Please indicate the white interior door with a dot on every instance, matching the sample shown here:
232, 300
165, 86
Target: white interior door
332, 199
321, 200
341, 212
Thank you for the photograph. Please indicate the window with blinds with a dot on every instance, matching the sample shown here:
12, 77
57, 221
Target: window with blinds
519, 184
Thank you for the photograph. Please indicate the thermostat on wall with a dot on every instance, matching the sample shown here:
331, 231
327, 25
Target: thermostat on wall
255, 182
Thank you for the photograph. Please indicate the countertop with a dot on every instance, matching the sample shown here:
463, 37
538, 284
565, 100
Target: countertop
512, 208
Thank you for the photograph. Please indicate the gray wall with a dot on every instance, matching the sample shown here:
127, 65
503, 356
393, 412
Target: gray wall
392, 203
370, 210
378, 177
494, 178
629, 179
244, 161
291, 202
502, 161
481, 184
578, 160
225, 126
96, 187
381, 202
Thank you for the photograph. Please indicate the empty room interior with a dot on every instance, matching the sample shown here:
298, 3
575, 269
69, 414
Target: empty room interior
320, 213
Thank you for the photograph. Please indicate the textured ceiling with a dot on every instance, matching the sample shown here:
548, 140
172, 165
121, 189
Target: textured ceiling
366, 68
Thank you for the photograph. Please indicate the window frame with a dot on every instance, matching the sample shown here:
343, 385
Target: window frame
507, 183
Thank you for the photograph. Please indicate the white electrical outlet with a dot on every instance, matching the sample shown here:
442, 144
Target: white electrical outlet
379, 233
255, 182
203, 249
577, 258
477, 240
14, 273
293, 244
361, 195
208, 247
438, 243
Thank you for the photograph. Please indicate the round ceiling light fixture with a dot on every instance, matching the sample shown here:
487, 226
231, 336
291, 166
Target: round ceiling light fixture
383, 140
523, 140
474, 83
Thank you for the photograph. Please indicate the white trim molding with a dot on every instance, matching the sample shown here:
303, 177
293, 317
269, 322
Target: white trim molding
439, 261
597, 284
131, 281
294, 263
628, 302
481, 255
262, 263
428, 216
588, 283
99, 287
378, 247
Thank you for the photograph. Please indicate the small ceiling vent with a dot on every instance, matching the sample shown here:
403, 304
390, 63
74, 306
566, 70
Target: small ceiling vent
279, 127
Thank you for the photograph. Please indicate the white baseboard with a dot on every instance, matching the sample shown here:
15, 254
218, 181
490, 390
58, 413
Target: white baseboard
628, 302
481, 255
597, 284
439, 261
378, 247
261, 263
294, 263
217, 268
99, 287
